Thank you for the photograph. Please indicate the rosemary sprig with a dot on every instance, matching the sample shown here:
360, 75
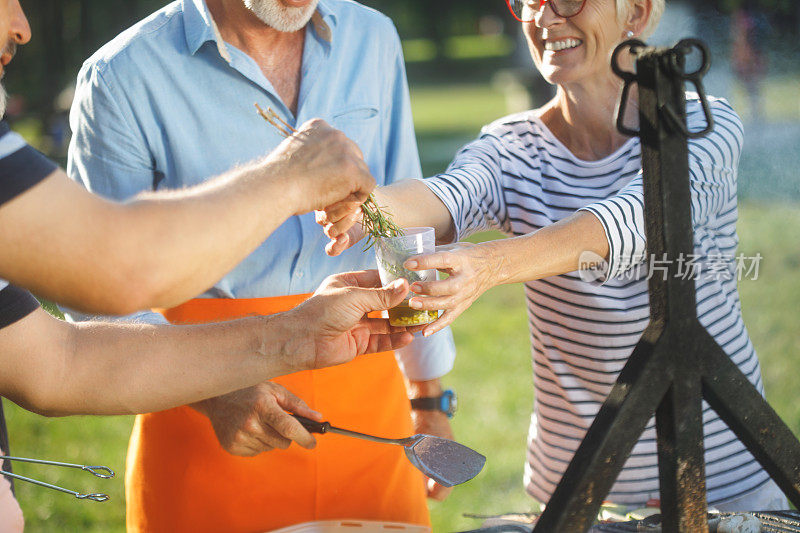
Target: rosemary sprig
377, 222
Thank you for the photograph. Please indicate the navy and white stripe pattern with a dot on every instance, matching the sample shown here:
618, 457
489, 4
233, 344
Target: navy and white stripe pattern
21, 166
517, 177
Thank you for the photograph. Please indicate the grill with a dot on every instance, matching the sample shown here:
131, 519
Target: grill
771, 522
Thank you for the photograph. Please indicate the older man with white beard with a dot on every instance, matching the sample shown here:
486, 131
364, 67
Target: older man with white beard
172, 98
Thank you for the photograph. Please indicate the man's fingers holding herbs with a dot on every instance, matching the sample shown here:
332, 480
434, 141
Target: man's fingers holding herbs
322, 167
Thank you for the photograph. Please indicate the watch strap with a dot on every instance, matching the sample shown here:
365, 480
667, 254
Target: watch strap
427, 404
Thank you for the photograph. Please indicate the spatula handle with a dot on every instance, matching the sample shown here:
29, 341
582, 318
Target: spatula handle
312, 425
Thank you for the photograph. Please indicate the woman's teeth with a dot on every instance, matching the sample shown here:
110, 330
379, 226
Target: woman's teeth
555, 46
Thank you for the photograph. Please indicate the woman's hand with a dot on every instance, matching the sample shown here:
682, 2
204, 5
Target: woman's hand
472, 271
341, 223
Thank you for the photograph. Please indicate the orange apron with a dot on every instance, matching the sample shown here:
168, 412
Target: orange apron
179, 479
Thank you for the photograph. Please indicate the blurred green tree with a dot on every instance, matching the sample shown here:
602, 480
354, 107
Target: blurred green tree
66, 32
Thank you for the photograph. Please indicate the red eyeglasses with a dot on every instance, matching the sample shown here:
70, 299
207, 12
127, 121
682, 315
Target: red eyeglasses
526, 10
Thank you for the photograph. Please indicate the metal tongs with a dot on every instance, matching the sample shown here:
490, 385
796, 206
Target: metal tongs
102, 472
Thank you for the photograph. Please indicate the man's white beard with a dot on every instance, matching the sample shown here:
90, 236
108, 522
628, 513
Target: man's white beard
3, 100
279, 16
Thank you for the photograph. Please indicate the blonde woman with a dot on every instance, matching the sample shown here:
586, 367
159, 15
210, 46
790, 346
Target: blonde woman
561, 181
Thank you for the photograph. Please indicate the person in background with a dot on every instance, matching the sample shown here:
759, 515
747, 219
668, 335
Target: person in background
749, 36
563, 184
77, 248
169, 102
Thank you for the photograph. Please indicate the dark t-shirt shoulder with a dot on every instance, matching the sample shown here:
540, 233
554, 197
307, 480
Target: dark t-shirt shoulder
15, 304
21, 166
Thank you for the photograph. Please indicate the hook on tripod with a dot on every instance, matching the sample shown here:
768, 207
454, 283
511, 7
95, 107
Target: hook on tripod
634, 46
674, 67
677, 69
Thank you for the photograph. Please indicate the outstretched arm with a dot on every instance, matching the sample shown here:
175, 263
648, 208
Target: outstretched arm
160, 249
465, 199
475, 268
55, 368
612, 229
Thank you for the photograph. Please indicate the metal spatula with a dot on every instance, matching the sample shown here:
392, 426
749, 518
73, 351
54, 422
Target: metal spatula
445, 461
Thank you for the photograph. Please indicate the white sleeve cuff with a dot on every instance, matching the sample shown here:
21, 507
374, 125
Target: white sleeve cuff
428, 357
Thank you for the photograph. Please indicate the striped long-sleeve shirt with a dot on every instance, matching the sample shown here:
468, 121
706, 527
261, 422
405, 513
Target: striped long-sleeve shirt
517, 177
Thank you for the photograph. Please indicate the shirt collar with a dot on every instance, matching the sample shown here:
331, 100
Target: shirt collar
200, 26
324, 20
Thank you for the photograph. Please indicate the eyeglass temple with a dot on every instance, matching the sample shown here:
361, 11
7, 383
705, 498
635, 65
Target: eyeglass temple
522, 2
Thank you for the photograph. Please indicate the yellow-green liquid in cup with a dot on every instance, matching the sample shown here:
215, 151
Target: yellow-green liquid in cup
403, 315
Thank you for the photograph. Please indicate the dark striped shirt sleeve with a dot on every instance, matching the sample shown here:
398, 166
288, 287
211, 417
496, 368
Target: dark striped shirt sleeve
21, 166
471, 188
713, 163
15, 304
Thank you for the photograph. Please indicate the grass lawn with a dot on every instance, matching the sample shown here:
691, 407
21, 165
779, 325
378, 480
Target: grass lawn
493, 372
492, 376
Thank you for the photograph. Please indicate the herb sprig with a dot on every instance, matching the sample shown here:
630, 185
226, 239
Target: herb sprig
376, 221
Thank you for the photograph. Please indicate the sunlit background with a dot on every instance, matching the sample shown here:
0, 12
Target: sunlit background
467, 65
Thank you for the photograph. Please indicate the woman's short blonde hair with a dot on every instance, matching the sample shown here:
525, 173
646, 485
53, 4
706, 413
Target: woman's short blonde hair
624, 7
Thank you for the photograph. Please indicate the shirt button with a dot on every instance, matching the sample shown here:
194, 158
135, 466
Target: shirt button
300, 274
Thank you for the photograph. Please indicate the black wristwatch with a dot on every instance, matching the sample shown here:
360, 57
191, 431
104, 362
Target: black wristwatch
446, 403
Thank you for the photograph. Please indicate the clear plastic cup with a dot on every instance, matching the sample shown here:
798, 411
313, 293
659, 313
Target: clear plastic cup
391, 253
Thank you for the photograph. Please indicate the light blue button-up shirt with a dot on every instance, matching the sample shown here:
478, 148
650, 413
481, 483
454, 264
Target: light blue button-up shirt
168, 104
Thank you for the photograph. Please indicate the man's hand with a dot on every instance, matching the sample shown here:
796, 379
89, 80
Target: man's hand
321, 167
254, 420
331, 327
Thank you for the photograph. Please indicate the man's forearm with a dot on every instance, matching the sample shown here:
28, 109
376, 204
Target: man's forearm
110, 258
205, 231
424, 389
114, 369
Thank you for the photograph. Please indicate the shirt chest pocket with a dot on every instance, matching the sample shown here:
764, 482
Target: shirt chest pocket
362, 124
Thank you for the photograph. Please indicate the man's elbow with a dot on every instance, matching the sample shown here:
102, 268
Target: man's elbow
129, 291
146, 289
41, 402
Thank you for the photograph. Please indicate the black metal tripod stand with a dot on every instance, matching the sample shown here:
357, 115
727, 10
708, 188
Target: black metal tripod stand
676, 363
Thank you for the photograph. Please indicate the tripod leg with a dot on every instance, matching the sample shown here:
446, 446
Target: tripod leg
752, 419
608, 443
681, 464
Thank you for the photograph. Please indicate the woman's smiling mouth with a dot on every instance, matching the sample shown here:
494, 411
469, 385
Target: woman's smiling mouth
562, 44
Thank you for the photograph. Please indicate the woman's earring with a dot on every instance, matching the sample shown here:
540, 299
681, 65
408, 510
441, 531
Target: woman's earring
629, 34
